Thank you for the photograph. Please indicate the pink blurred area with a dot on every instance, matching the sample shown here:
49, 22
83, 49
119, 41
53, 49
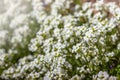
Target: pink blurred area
116, 1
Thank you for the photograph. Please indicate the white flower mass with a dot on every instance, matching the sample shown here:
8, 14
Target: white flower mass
59, 40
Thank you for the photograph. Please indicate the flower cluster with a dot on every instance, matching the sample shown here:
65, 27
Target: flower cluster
59, 40
102, 75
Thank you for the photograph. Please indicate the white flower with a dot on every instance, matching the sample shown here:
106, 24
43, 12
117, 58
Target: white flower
103, 75
111, 54
118, 46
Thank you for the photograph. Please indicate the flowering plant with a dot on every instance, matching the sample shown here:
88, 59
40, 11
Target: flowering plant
59, 40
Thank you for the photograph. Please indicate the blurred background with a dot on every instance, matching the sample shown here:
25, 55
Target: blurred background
116, 1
